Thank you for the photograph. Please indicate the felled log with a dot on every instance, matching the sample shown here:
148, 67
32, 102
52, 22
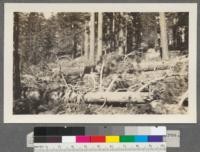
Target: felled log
116, 97
72, 70
144, 66
158, 65
154, 68
81, 71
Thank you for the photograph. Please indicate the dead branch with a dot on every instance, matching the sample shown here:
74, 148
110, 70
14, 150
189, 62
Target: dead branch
64, 80
183, 97
61, 72
92, 76
57, 61
111, 84
127, 55
150, 82
101, 77
99, 109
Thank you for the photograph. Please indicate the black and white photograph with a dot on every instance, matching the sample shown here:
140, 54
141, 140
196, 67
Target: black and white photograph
107, 61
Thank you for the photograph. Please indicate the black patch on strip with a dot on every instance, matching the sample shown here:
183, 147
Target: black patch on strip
59, 131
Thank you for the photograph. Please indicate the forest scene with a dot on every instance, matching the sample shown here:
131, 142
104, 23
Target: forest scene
100, 63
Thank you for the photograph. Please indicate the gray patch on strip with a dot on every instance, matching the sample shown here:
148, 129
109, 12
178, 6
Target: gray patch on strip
129, 130
91, 130
117, 130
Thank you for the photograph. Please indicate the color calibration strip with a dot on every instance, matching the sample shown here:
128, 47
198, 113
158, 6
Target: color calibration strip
172, 139
97, 139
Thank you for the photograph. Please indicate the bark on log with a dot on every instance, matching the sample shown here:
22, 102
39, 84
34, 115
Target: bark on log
116, 97
153, 67
158, 65
72, 71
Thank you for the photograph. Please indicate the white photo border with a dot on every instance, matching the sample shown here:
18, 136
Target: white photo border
9, 117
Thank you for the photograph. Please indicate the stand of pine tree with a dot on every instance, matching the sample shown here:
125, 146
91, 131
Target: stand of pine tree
100, 63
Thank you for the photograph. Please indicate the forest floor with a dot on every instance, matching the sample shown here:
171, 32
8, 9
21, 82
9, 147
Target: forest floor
121, 85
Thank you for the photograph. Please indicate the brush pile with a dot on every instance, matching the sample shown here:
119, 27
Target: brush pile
117, 85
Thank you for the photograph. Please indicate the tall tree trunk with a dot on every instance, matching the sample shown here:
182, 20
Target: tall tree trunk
156, 38
100, 27
113, 32
121, 36
86, 38
74, 47
125, 36
30, 57
16, 68
163, 36
129, 37
138, 36
81, 46
92, 38
116, 35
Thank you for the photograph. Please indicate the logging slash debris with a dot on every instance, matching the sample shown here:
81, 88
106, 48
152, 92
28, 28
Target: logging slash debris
116, 85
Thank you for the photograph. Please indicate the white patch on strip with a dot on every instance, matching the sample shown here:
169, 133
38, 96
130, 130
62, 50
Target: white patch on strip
161, 130
68, 139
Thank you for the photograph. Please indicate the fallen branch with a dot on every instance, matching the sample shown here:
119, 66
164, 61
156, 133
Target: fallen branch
111, 84
93, 76
101, 106
155, 80
122, 97
183, 97
60, 71
150, 82
101, 77
64, 80
126, 56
